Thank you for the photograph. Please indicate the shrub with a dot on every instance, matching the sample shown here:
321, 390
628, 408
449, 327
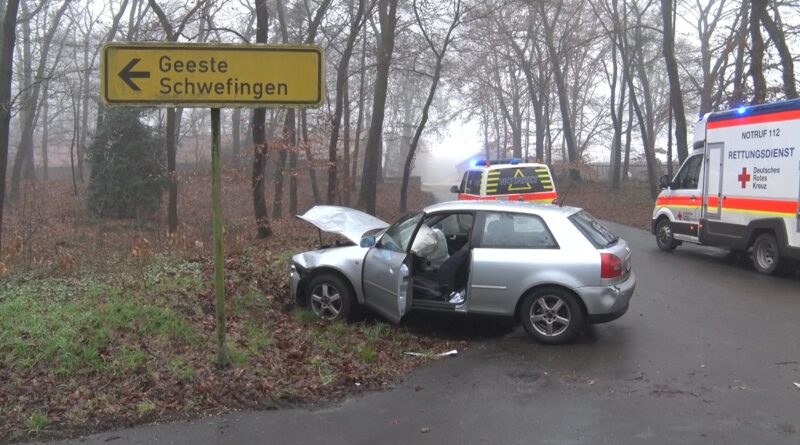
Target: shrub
127, 160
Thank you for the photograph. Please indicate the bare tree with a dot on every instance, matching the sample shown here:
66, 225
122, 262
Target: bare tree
260, 147
387, 16
31, 103
173, 122
675, 94
7, 43
757, 10
341, 79
778, 38
439, 54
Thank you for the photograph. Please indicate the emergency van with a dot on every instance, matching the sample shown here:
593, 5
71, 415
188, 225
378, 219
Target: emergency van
511, 180
739, 188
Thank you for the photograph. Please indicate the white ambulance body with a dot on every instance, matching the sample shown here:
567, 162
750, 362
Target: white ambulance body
740, 187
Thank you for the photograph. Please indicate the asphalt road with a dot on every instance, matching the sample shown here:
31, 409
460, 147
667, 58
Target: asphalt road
707, 353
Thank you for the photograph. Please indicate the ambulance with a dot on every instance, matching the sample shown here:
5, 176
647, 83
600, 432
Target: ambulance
510, 180
739, 188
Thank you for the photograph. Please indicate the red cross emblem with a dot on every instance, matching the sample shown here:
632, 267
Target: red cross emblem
744, 177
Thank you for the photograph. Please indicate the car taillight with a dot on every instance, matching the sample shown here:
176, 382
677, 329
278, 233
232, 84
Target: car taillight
610, 266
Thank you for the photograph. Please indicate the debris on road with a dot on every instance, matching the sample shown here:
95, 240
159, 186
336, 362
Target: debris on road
424, 430
442, 354
796, 384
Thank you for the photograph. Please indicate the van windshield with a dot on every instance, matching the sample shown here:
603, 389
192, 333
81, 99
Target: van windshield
595, 232
514, 180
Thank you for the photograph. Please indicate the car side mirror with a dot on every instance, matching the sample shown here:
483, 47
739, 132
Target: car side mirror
454, 189
368, 241
664, 182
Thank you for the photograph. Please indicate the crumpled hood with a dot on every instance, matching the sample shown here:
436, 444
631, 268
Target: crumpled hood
350, 223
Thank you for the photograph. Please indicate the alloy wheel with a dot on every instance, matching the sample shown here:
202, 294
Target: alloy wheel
326, 301
550, 315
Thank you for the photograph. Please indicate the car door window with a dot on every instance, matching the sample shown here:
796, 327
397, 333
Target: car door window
514, 230
455, 228
689, 176
397, 237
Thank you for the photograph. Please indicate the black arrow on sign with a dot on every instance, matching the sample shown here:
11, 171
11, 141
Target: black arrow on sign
126, 74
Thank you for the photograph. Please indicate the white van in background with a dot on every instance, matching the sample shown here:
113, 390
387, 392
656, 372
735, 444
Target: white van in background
739, 188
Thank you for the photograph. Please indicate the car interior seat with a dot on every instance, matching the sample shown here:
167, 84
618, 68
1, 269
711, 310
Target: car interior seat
453, 275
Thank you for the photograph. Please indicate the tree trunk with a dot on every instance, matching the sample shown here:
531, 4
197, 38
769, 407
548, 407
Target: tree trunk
309, 157
6, 74
236, 128
360, 118
172, 174
616, 117
675, 95
757, 10
387, 11
344, 197
260, 148
287, 136
82, 144
45, 130
628, 138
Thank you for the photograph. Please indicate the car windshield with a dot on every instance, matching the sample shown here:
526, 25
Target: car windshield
595, 232
397, 237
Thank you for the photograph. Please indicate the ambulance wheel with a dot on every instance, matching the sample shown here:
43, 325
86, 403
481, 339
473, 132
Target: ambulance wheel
665, 237
766, 254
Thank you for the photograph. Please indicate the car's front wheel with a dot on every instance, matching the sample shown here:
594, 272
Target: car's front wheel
330, 298
552, 315
665, 237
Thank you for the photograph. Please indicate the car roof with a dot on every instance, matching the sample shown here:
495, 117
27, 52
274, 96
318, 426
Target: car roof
502, 206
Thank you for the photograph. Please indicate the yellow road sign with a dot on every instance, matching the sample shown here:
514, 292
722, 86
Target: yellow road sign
200, 75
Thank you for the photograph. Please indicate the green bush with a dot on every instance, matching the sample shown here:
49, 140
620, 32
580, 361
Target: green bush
128, 166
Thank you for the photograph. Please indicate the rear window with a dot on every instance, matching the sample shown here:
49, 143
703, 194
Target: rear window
595, 232
514, 180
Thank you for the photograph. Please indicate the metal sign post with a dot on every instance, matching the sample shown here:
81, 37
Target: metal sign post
213, 76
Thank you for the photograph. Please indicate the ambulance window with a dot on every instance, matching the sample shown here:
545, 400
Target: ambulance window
689, 176
474, 183
463, 185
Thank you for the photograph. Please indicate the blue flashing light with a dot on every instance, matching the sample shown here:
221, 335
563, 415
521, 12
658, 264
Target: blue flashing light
478, 163
741, 110
515, 161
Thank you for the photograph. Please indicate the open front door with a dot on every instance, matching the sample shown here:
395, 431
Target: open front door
387, 272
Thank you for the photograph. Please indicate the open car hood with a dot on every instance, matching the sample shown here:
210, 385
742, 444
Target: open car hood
350, 223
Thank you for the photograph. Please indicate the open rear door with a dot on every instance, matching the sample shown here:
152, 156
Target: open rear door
387, 271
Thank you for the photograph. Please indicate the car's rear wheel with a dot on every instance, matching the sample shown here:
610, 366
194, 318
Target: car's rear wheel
665, 237
766, 254
552, 315
330, 298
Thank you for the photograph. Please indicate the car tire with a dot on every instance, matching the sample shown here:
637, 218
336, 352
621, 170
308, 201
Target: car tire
665, 237
330, 298
552, 315
766, 254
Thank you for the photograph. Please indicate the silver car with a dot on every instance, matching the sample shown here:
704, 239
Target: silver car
555, 269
